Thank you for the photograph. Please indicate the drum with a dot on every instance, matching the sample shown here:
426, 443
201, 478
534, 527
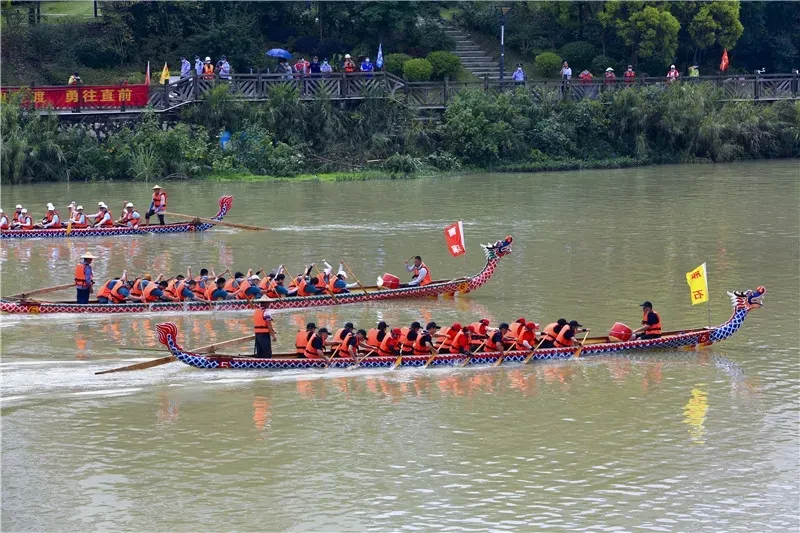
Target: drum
389, 281
619, 332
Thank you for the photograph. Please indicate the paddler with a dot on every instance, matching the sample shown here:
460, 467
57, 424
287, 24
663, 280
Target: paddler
154, 291
276, 288
375, 336
496, 340
461, 341
422, 276
303, 336
651, 323
158, 206
103, 216
389, 346
550, 333
218, 292
115, 291
17, 215
78, 219
84, 278
352, 343
25, 221
526, 338
315, 349
4, 223
52, 219
408, 339
566, 337
449, 334
424, 344
264, 330
130, 217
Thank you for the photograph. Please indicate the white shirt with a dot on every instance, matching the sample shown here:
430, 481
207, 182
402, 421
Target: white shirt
419, 277
55, 222
566, 72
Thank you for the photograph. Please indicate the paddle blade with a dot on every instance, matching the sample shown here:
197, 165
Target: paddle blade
141, 366
397, 362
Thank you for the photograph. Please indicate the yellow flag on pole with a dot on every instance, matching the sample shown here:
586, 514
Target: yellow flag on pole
698, 284
164, 74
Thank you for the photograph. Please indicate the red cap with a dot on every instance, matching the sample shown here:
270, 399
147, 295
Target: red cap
521, 320
484, 321
456, 326
396, 331
532, 325
471, 329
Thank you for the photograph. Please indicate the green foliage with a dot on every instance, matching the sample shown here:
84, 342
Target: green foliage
394, 63
548, 65
652, 31
578, 53
445, 64
600, 63
716, 23
417, 69
403, 164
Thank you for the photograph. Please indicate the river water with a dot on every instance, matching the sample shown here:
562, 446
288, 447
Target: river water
673, 441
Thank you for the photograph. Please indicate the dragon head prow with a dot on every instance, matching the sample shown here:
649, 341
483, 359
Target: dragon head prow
499, 248
749, 299
168, 335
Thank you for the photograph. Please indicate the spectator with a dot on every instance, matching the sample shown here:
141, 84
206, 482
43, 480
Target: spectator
284, 69
586, 76
630, 75
186, 68
225, 69
302, 67
673, 74
75, 79
519, 75
694, 71
315, 66
198, 66
566, 72
208, 69
610, 78
349, 66
325, 68
366, 66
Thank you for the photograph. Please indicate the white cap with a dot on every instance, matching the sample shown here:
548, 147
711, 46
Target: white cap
347, 56
18, 206
672, 66
156, 187
101, 204
71, 204
88, 255
1, 209
609, 69
50, 207
129, 204
79, 208
254, 277
208, 58
24, 211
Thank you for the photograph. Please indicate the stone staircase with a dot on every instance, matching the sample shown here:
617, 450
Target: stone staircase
473, 58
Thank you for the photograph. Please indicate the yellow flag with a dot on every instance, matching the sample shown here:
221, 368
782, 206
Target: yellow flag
164, 74
698, 284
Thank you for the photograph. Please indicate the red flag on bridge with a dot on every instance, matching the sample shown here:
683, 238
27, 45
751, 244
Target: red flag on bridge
454, 237
723, 65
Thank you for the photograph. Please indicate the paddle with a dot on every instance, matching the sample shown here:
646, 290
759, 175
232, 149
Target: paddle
470, 354
164, 360
322, 279
220, 222
359, 361
580, 348
530, 355
354, 276
45, 290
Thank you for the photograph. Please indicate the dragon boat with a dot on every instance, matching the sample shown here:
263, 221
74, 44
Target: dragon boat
225, 204
494, 252
743, 303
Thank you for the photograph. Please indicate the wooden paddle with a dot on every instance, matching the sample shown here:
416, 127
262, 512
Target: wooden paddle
580, 348
470, 354
530, 355
211, 348
45, 290
355, 277
220, 222
359, 361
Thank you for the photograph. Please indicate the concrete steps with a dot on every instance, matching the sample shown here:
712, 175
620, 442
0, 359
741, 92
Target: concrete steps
474, 59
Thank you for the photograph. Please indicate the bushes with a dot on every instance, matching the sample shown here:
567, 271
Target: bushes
445, 64
548, 65
394, 63
578, 53
417, 70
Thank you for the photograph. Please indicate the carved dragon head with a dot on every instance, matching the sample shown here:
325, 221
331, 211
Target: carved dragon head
499, 248
225, 204
168, 335
749, 299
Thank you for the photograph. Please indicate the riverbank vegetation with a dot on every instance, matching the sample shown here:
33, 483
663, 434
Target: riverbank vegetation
285, 137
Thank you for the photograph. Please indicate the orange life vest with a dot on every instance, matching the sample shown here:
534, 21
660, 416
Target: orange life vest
208, 71
210, 288
230, 287
240, 294
272, 291
80, 276
3, 221
514, 328
199, 291
77, 223
112, 293
48, 217
264, 283
157, 200
302, 287
460, 343
136, 290
17, 216
372, 337
346, 350
427, 278
491, 346
450, 334
301, 340
172, 289
525, 334
332, 286
27, 222
480, 328
309, 351
259, 324
129, 219
109, 222
654, 329
561, 340
403, 343
419, 349
549, 331
148, 292
388, 346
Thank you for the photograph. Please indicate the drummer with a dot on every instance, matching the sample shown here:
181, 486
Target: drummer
651, 323
422, 276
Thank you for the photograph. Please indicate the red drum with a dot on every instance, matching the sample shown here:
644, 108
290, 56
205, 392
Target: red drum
389, 281
620, 333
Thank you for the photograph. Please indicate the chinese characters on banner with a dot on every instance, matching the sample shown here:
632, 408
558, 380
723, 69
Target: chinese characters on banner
454, 237
698, 284
85, 96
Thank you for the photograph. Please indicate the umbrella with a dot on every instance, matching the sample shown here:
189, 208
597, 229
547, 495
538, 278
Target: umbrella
279, 52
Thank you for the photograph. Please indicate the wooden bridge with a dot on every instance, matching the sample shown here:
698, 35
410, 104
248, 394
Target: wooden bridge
340, 87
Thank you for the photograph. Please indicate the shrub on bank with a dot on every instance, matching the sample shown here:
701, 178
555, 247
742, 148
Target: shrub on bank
394, 63
417, 70
445, 64
547, 65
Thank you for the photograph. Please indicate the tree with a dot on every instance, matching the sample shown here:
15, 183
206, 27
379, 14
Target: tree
716, 23
651, 32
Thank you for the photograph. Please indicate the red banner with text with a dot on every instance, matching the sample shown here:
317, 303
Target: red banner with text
85, 96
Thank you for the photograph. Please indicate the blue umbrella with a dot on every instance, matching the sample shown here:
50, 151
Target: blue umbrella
279, 52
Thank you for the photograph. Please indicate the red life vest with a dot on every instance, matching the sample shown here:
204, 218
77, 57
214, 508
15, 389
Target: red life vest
630, 76
460, 343
388, 346
79, 221
4, 221
260, 325
208, 71
48, 217
27, 222
103, 222
525, 334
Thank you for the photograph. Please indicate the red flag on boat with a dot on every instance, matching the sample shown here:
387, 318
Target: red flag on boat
454, 237
723, 65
